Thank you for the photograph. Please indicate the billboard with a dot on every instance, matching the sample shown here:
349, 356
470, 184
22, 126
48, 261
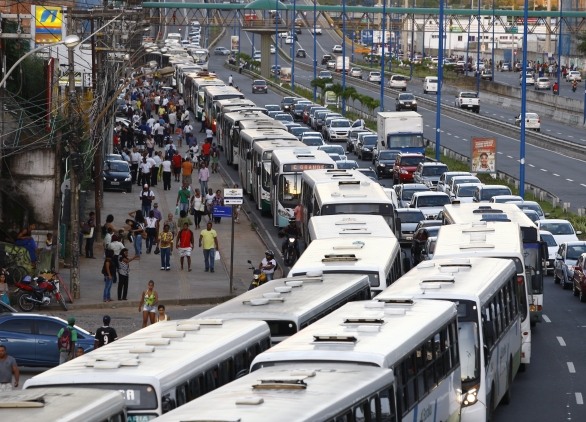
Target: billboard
48, 24
483, 155
235, 43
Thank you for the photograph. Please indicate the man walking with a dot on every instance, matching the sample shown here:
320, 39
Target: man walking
66, 339
105, 334
185, 245
183, 198
146, 198
208, 241
203, 176
8, 369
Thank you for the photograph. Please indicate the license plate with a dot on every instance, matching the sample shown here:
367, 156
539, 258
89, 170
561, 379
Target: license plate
114, 183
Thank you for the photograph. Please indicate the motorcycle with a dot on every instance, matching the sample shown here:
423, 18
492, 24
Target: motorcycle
556, 90
574, 86
290, 256
258, 277
38, 291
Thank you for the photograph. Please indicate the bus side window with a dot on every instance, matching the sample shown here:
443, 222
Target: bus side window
194, 389
388, 412
181, 394
362, 412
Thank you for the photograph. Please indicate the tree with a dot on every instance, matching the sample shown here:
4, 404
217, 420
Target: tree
581, 45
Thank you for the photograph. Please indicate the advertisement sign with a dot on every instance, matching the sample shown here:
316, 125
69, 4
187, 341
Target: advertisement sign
483, 155
48, 24
234, 43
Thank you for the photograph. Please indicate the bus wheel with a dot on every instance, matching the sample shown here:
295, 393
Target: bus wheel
490, 407
507, 398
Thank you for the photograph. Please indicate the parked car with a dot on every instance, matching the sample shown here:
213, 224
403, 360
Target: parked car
374, 77
405, 192
32, 338
383, 162
406, 101
116, 175
398, 82
409, 218
542, 83
565, 260
573, 75
532, 121
337, 49
356, 72
562, 230
221, 51
259, 86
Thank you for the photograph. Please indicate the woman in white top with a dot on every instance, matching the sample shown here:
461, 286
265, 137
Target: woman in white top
209, 203
167, 168
152, 224
161, 314
198, 207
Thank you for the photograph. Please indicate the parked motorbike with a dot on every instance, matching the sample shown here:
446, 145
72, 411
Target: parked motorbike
258, 277
38, 291
290, 256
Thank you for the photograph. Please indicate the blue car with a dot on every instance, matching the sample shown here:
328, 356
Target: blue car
32, 338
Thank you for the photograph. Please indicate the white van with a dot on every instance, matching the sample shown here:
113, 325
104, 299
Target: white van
430, 84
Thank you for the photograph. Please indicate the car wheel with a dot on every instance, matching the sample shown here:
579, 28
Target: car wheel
424, 91
582, 296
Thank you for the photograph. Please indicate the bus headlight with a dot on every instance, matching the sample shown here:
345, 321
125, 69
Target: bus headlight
470, 397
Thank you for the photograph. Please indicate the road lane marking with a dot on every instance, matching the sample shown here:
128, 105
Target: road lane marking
543, 170
546, 318
556, 175
508, 156
571, 367
570, 180
579, 398
583, 185
531, 165
561, 341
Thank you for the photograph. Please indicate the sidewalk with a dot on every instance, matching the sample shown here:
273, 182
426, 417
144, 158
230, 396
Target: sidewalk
174, 286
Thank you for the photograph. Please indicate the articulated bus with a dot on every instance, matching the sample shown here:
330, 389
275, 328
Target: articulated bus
491, 240
291, 304
164, 365
194, 87
262, 152
287, 165
349, 225
489, 323
377, 257
62, 404
319, 392
417, 340
248, 137
535, 250
229, 126
211, 94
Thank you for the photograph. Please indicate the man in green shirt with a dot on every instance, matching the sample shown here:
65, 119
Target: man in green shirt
184, 198
66, 341
208, 241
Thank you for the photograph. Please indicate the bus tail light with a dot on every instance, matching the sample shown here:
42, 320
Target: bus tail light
520, 279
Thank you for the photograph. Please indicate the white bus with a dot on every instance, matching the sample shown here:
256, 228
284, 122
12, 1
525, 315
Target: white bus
164, 365
358, 196
349, 225
62, 404
291, 304
194, 92
535, 250
228, 130
489, 323
417, 340
287, 165
248, 137
319, 392
377, 257
211, 94
262, 152
491, 240
201, 57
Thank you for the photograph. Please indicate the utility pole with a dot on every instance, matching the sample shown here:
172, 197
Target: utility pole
74, 168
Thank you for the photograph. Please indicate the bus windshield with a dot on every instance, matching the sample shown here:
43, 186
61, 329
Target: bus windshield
469, 351
289, 190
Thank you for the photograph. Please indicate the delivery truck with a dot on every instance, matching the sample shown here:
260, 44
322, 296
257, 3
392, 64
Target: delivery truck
400, 131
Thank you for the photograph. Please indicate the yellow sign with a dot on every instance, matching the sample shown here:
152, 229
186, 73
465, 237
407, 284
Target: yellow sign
48, 24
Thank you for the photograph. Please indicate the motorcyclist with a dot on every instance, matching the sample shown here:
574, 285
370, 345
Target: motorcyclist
574, 85
555, 88
268, 264
290, 231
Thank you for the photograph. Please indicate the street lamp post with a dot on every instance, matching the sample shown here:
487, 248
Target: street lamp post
314, 49
382, 59
343, 56
478, 52
294, 33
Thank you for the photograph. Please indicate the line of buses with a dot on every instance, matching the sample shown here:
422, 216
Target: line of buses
347, 335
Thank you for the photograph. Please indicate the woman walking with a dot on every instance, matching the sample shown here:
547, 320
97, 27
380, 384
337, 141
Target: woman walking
152, 226
124, 273
137, 228
148, 304
198, 207
165, 244
218, 201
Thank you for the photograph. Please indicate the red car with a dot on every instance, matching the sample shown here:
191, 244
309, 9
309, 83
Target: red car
405, 166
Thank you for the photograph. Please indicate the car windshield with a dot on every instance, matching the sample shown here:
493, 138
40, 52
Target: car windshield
548, 238
298, 130
410, 216
406, 97
411, 161
532, 207
432, 201
408, 193
259, 83
333, 149
347, 164
466, 191
272, 107
368, 172
284, 117
489, 193
387, 155
312, 142
434, 170
369, 140
574, 251
340, 123
118, 167
558, 228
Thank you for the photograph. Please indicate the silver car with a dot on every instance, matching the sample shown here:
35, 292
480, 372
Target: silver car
356, 72
542, 83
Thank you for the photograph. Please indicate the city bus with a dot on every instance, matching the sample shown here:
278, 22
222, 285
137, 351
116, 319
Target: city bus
320, 392
62, 404
164, 365
183, 71
194, 89
211, 94
535, 250
489, 323
377, 257
418, 340
358, 196
248, 137
491, 240
262, 152
201, 57
291, 304
287, 165
228, 130
342, 226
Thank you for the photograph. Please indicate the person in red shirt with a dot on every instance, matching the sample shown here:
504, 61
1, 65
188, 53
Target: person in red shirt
206, 148
176, 163
185, 245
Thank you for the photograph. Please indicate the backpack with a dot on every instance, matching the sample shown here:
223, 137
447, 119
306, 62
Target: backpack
64, 341
169, 154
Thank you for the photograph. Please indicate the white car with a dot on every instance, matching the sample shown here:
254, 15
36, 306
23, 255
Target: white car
398, 82
561, 230
552, 248
573, 75
317, 29
257, 56
542, 83
529, 79
289, 40
356, 72
532, 121
273, 49
337, 49
374, 77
